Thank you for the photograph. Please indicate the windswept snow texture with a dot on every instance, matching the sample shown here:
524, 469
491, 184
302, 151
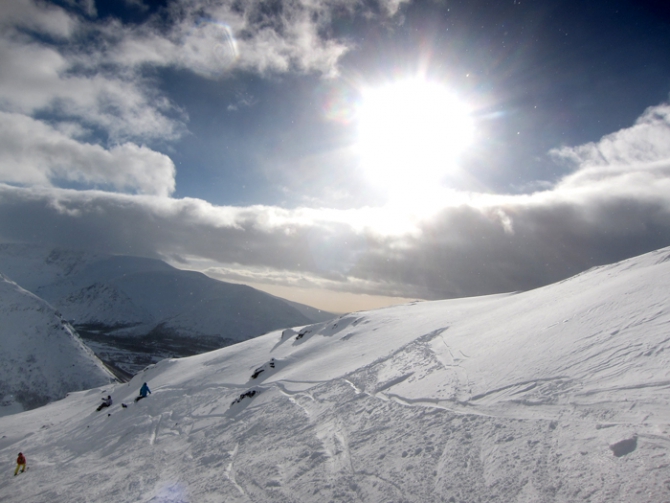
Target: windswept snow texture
134, 310
554, 395
41, 357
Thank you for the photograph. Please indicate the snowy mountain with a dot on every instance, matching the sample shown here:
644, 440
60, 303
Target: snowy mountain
554, 395
41, 357
134, 311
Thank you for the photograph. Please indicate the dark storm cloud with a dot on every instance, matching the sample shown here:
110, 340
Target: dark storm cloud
466, 252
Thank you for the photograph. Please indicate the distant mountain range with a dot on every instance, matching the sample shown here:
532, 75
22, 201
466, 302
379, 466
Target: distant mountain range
41, 356
133, 311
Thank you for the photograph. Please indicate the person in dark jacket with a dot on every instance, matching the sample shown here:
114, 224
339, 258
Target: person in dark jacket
20, 463
143, 392
106, 402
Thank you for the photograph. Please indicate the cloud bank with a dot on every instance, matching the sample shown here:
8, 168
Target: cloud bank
481, 244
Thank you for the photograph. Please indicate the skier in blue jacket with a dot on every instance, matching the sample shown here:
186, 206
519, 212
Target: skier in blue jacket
143, 392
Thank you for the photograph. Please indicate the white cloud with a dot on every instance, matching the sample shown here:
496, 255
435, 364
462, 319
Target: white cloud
43, 73
213, 38
647, 141
632, 162
38, 78
43, 17
392, 6
87, 6
32, 152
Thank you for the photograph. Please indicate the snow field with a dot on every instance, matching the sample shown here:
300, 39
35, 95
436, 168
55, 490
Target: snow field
554, 395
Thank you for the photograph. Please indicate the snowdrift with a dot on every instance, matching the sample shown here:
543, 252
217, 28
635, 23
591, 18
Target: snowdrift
557, 394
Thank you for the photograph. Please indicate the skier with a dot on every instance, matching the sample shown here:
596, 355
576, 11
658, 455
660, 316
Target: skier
143, 392
20, 463
106, 402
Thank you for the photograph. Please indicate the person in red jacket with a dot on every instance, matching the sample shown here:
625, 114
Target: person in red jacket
20, 463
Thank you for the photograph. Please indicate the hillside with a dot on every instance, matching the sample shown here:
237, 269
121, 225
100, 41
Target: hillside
133, 311
552, 395
41, 357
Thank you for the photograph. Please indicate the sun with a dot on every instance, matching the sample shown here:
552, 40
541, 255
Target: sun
411, 134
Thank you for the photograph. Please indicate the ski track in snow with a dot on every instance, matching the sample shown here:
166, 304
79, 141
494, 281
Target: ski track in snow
230, 473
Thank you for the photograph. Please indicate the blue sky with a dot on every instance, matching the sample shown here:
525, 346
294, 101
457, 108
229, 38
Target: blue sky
342, 153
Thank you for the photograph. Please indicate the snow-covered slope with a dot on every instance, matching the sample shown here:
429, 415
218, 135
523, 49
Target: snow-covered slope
168, 311
554, 395
132, 291
41, 357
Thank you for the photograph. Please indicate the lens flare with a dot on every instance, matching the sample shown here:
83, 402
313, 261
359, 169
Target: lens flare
210, 47
338, 103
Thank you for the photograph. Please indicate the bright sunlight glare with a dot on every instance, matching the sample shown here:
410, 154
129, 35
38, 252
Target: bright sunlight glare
411, 134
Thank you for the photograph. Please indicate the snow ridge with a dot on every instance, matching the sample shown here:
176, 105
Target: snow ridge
41, 356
